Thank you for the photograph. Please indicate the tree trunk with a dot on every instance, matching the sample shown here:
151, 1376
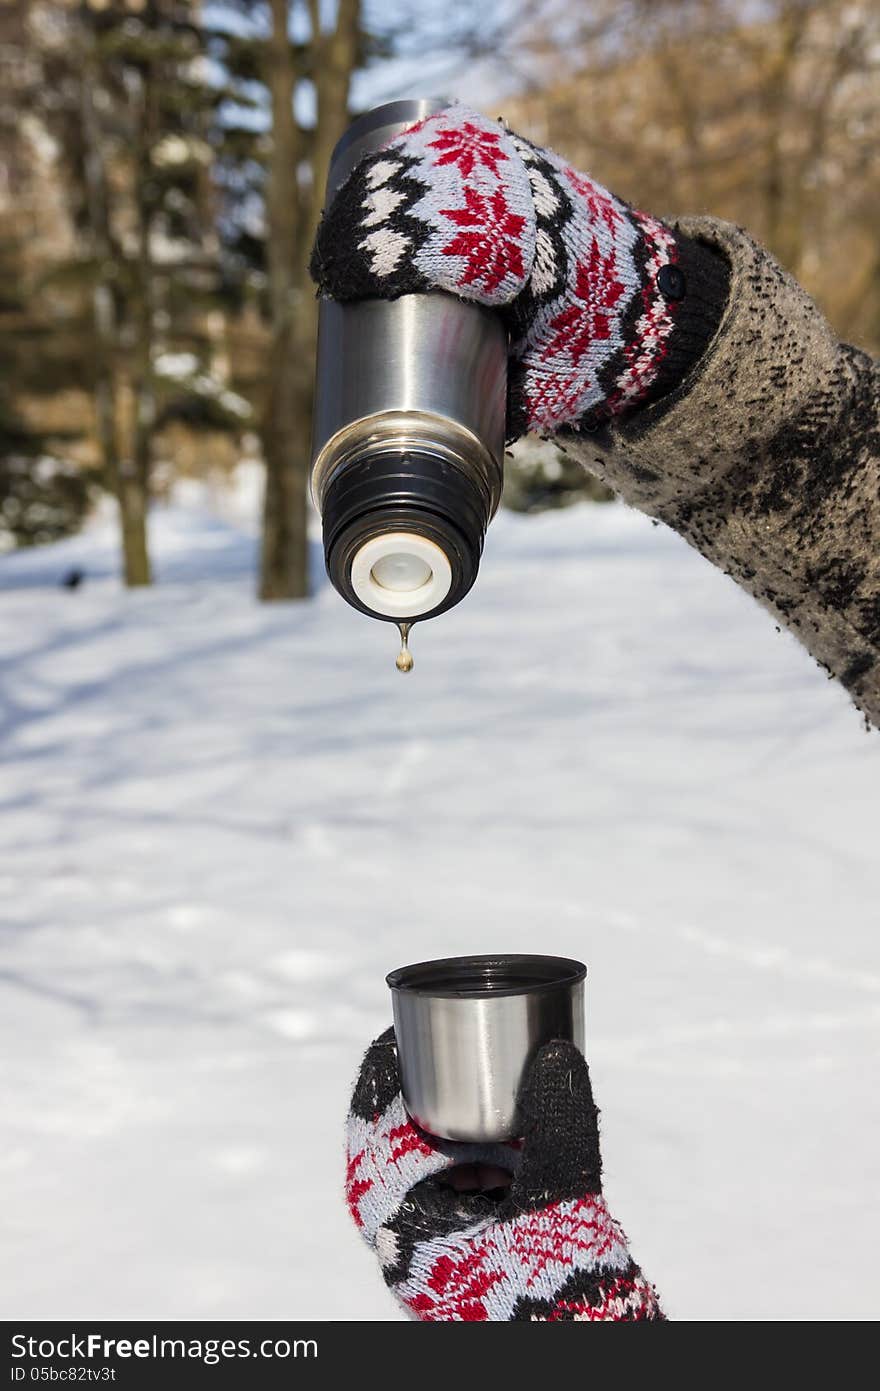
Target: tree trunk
131, 502
133, 519
783, 237
336, 54
136, 481
292, 215
285, 436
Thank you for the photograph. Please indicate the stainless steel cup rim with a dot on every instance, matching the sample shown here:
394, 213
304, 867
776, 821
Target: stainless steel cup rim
484, 977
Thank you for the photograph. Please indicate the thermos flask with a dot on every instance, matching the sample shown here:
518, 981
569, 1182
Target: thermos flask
408, 439
467, 1029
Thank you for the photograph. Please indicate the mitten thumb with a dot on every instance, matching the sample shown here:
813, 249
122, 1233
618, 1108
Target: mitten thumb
560, 1156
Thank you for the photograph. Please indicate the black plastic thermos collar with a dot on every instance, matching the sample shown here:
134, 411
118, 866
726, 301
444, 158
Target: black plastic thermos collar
412, 491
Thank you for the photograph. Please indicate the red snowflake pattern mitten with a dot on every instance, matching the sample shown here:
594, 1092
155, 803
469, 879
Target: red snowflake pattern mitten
548, 1251
606, 307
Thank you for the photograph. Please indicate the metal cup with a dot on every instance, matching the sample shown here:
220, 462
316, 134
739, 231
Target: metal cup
467, 1029
408, 432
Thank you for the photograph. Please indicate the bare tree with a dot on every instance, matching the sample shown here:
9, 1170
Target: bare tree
119, 475
767, 115
296, 173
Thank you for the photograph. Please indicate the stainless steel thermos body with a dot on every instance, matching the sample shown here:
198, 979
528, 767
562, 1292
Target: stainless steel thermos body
408, 436
467, 1029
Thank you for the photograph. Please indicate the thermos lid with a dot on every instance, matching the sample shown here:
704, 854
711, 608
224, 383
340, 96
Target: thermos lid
467, 1030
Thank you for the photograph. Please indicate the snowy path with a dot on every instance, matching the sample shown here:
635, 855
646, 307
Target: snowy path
224, 823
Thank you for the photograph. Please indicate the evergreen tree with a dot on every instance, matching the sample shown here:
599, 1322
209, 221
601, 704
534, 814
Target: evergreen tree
43, 494
132, 97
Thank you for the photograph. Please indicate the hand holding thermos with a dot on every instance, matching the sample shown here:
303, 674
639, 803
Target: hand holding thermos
545, 1249
605, 306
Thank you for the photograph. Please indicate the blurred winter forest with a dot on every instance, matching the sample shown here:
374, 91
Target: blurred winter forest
161, 174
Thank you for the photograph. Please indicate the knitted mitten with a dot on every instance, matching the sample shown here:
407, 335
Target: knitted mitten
548, 1251
605, 307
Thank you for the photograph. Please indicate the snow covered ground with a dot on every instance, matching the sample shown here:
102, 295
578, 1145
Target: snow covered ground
223, 823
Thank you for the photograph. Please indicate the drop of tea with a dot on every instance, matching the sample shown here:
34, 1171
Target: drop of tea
404, 661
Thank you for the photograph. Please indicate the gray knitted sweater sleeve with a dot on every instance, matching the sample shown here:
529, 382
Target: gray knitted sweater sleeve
767, 460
